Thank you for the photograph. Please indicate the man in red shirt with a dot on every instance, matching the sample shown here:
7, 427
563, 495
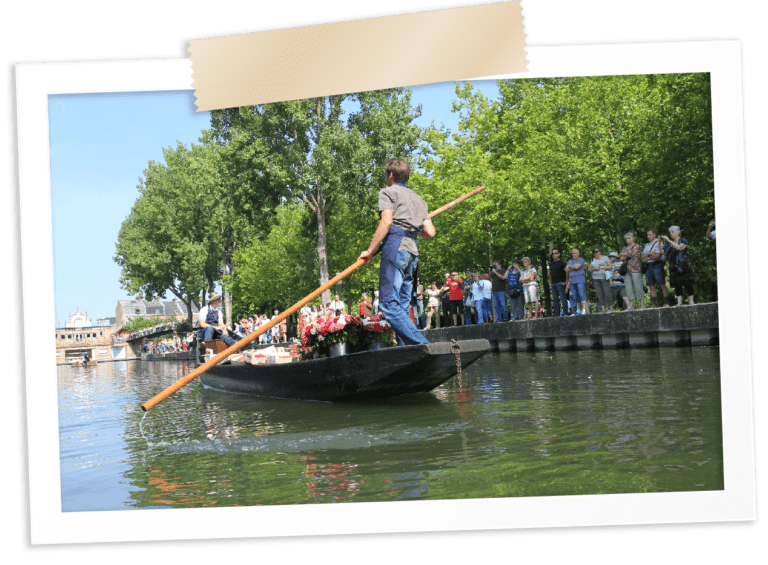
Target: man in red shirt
456, 297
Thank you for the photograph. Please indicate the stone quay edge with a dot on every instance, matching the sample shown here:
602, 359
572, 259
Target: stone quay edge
675, 326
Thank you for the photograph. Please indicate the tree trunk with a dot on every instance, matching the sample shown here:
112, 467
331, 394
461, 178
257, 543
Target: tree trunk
322, 243
227, 300
188, 304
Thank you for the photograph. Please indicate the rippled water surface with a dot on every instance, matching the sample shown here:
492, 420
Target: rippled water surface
544, 424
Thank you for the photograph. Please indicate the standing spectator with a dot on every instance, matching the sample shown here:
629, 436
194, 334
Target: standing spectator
315, 314
445, 300
481, 296
680, 269
515, 291
275, 329
633, 280
456, 298
336, 306
470, 311
530, 286
499, 289
434, 296
577, 278
617, 283
557, 282
652, 257
375, 302
601, 270
365, 306
421, 320
711, 230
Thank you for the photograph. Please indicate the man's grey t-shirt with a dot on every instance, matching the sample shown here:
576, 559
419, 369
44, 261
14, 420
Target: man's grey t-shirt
409, 211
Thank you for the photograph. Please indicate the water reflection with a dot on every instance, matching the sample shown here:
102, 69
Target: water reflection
512, 425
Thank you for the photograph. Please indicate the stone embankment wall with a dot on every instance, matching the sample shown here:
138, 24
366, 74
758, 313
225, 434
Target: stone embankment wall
652, 327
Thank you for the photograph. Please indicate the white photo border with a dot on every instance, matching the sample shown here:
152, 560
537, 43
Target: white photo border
49, 525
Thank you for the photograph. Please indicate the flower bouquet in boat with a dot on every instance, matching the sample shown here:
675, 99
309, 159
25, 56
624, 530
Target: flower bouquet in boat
328, 337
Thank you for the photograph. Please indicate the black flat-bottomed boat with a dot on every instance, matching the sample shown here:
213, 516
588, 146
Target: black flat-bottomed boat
357, 376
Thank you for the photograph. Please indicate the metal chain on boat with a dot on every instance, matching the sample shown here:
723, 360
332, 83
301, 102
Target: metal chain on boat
456, 350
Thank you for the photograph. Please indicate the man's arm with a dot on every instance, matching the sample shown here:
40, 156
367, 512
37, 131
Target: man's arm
385, 222
428, 229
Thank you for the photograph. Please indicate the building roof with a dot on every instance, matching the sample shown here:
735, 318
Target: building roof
155, 307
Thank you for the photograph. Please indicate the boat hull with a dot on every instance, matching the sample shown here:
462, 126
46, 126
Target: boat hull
365, 375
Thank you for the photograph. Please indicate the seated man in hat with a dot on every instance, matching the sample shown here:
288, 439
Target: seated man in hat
211, 324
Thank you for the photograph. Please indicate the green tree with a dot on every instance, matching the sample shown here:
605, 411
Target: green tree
321, 151
165, 244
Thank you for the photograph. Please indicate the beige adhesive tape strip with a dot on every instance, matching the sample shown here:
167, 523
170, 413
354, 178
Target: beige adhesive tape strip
292, 64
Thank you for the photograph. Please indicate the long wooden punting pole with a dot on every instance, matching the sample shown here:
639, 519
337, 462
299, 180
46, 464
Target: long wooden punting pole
269, 325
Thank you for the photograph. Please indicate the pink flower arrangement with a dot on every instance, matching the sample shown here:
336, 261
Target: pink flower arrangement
319, 335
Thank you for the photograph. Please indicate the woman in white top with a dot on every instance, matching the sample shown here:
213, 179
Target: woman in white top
434, 300
530, 287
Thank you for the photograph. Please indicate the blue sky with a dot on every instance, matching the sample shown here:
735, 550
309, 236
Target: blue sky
100, 146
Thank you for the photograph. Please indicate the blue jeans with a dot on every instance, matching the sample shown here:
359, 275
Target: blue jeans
500, 304
210, 333
420, 317
558, 291
483, 310
516, 307
396, 308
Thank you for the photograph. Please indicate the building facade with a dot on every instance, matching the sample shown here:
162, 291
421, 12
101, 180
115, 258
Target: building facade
80, 337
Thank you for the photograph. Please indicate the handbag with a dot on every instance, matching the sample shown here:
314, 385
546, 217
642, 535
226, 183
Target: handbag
513, 293
644, 267
624, 269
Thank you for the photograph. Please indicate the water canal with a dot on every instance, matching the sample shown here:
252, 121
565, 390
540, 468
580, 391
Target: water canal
515, 424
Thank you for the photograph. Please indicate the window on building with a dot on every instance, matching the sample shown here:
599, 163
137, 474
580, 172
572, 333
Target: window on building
138, 311
69, 336
101, 334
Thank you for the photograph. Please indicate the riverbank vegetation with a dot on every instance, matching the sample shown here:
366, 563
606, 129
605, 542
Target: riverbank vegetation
277, 198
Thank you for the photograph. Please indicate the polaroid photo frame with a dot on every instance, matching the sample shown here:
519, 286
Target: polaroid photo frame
49, 525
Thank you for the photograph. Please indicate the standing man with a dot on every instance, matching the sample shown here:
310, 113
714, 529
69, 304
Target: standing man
403, 215
557, 282
336, 306
456, 297
211, 324
652, 253
499, 289
421, 320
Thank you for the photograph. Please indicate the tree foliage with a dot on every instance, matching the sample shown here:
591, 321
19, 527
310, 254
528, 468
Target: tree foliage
165, 243
577, 161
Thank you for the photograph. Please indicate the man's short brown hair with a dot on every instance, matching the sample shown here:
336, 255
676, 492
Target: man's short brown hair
399, 169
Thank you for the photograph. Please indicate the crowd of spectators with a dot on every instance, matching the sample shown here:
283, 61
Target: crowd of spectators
618, 281
173, 344
130, 336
